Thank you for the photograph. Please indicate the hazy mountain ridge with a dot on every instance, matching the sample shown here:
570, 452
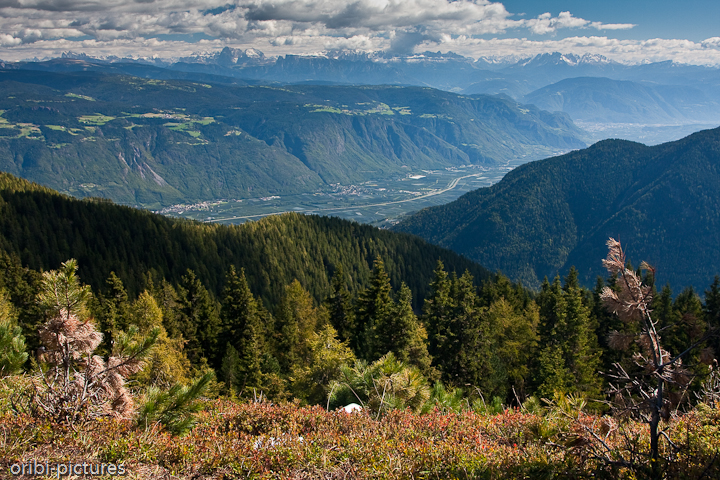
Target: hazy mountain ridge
545, 216
603, 100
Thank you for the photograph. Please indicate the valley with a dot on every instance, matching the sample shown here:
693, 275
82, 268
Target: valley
379, 203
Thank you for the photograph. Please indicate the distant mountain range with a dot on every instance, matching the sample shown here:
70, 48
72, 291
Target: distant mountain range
603, 100
446, 71
661, 202
158, 142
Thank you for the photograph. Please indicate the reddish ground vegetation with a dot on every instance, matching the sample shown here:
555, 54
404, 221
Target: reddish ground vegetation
287, 441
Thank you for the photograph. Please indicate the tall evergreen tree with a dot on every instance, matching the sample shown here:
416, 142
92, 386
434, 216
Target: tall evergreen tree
406, 336
12, 342
438, 316
374, 310
296, 320
198, 320
242, 328
111, 309
460, 344
22, 285
712, 315
166, 364
569, 358
339, 305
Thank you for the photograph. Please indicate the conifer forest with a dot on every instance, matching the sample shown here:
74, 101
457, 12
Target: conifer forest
216, 350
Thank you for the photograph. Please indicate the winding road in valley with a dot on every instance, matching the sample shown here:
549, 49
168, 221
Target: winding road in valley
453, 183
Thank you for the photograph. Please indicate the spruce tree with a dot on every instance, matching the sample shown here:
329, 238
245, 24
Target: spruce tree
581, 351
242, 328
460, 349
198, 320
111, 310
569, 357
375, 309
438, 316
339, 305
712, 316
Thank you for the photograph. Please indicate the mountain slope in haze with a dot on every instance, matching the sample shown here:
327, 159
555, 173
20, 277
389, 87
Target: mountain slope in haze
602, 100
161, 142
44, 228
661, 202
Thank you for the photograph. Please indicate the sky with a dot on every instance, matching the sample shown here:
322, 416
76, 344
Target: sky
628, 31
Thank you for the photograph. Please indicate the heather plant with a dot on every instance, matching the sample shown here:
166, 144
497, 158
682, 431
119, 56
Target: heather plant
75, 384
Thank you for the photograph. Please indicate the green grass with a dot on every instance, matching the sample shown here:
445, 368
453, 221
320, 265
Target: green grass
97, 119
82, 97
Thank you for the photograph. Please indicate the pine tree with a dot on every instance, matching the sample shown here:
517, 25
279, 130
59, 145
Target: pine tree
76, 383
12, 342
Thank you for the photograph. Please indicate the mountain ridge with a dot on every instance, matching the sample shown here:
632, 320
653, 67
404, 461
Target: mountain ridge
546, 216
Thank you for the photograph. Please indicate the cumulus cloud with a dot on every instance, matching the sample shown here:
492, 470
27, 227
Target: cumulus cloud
545, 23
141, 28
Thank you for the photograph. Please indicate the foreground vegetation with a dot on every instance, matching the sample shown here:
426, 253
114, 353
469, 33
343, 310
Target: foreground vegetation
260, 440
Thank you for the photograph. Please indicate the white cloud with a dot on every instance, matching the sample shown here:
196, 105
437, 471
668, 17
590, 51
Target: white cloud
9, 40
545, 23
713, 42
141, 28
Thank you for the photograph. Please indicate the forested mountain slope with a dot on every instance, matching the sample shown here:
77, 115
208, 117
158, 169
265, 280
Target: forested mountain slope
45, 228
157, 143
661, 202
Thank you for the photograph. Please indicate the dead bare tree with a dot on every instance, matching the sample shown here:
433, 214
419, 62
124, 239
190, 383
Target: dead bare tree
74, 382
650, 392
